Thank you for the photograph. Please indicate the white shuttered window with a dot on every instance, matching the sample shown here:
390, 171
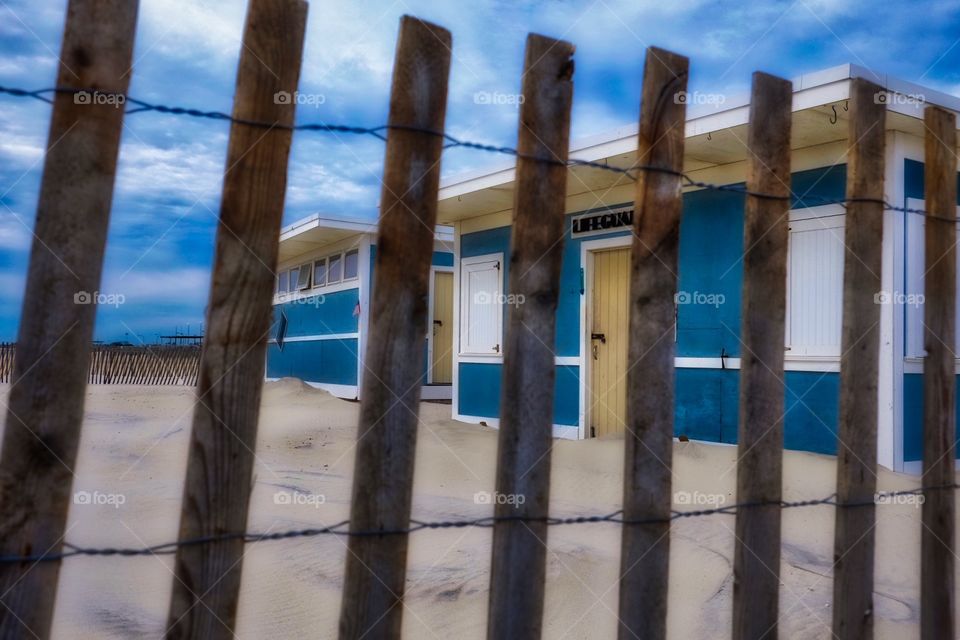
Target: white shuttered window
815, 282
481, 305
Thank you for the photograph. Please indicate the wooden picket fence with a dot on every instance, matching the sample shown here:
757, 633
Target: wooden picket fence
124, 364
54, 343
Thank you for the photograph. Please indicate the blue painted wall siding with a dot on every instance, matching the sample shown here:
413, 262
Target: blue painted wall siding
329, 361
812, 408
483, 396
711, 245
706, 403
321, 314
913, 416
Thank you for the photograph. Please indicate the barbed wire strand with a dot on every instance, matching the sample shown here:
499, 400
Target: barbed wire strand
632, 172
342, 528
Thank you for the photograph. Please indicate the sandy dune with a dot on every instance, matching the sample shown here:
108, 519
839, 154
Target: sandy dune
134, 445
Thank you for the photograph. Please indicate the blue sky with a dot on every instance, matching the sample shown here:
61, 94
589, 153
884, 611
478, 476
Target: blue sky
170, 175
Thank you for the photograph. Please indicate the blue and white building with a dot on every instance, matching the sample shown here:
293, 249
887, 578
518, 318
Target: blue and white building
325, 276
591, 333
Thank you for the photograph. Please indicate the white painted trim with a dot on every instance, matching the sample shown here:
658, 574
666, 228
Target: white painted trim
473, 359
363, 326
687, 362
455, 400
810, 90
317, 337
890, 378
560, 431
915, 365
316, 221
436, 392
825, 364
560, 361
345, 391
587, 248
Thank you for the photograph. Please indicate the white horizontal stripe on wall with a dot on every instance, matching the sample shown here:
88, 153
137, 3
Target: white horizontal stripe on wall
326, 336
822, 364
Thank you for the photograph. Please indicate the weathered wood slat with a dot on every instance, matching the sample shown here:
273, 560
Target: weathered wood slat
221, 454
937, 582
644, 560
387, 431
45, 408
756, 565
526, 414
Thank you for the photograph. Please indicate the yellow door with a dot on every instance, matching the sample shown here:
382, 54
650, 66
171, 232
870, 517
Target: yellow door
442, 328
609, 329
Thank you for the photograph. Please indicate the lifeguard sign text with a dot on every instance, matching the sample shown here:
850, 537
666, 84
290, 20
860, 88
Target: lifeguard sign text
597, 222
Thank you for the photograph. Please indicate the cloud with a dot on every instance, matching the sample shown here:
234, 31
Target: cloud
171, 168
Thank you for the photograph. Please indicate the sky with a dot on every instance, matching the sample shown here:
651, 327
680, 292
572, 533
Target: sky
166, 198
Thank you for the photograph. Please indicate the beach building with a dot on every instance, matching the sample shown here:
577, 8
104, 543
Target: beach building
324, 279
591, 333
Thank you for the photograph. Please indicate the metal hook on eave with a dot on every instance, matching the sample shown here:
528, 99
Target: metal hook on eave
833, 118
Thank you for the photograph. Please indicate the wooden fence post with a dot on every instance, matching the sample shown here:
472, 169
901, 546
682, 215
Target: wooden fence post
45, 409
220, 464
937, 616
645, 548
756, 565
389, 409
526, 407
859, 366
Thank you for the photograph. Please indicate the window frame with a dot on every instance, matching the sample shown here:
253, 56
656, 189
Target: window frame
307, 268
343, 269
330, 259
323, 261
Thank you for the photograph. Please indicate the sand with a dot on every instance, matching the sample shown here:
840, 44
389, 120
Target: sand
134, 445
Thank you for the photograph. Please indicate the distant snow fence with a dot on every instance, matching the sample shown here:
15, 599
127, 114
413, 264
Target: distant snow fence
128, 364
53, 359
